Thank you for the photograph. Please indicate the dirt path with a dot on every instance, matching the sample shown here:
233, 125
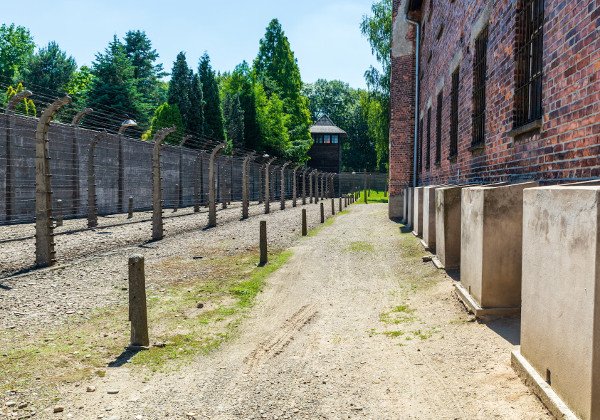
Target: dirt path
352, 326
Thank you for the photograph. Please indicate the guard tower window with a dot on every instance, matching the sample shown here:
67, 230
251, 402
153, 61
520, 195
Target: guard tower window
334, 138
327, 138
529, 55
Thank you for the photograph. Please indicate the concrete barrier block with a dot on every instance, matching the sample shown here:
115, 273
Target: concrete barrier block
395, 206
491, 247
418, 211
429, 227
560, 321
447, 226
409, 207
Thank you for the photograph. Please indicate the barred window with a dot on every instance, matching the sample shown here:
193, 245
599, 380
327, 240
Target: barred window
479, 79
438, 128
428, 157
454, 114
529, 54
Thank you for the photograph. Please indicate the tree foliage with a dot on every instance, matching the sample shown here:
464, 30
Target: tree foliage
113, 84
277, 71
16, 45
234, 119
377, 28
166, 116
26, 106
49, 68
214, 123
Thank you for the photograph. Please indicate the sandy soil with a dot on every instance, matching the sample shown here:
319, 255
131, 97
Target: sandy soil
353, 326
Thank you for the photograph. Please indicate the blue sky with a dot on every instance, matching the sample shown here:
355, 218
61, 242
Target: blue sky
324, 35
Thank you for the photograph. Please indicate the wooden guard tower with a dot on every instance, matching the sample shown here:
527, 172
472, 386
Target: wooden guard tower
326, 152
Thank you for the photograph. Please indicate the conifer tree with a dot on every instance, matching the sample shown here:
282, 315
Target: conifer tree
179, 88
277, 70
113, 84
234, 119
195, 119
214, 124
49, 68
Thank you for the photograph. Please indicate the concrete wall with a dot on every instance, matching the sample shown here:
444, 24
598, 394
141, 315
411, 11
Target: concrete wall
418, 211
491, 244
560, 324
396, 206
69, 168
410, 198
448, 226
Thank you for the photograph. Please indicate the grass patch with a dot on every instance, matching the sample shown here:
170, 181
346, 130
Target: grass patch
360, 247
226, 287
372, 197
399, 315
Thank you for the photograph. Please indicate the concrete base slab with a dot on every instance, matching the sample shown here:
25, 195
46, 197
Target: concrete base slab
415, 233
473, 307
539, 387
425, 246
437, 262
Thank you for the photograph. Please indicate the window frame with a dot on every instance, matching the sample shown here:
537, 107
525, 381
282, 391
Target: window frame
479, 88
454, 107
438, 127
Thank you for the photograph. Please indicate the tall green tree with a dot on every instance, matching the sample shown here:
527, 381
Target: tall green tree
234, 119
214, 123
113, 83
146, 72
179, 87
377, 28
49, 68
240, 82
166, 116
16, 45
277, 69
272, 121
195, 118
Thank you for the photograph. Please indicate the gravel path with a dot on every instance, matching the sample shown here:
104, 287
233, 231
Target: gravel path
324, 341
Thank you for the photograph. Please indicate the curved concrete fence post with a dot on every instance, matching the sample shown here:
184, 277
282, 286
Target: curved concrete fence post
246, 184
75, 158
92, 208
282, 198
316, 190
268, 185
295, 185
44, 231
212, 204
332, 186
157, 221
223, 183
310, 186
10, 186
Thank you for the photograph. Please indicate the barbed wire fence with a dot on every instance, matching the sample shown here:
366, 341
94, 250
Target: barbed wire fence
67, 168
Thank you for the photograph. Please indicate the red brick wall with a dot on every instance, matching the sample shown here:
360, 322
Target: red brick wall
402, 110
567, 147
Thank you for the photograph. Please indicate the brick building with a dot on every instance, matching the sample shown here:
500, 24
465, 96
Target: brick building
326, 152
508, 90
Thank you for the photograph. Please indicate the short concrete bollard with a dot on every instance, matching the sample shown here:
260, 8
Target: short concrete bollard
263, 243
176, 200
491, 248
417, 219
130, 212
138, 314
447, 226
59, 213
304, 225
322, 213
